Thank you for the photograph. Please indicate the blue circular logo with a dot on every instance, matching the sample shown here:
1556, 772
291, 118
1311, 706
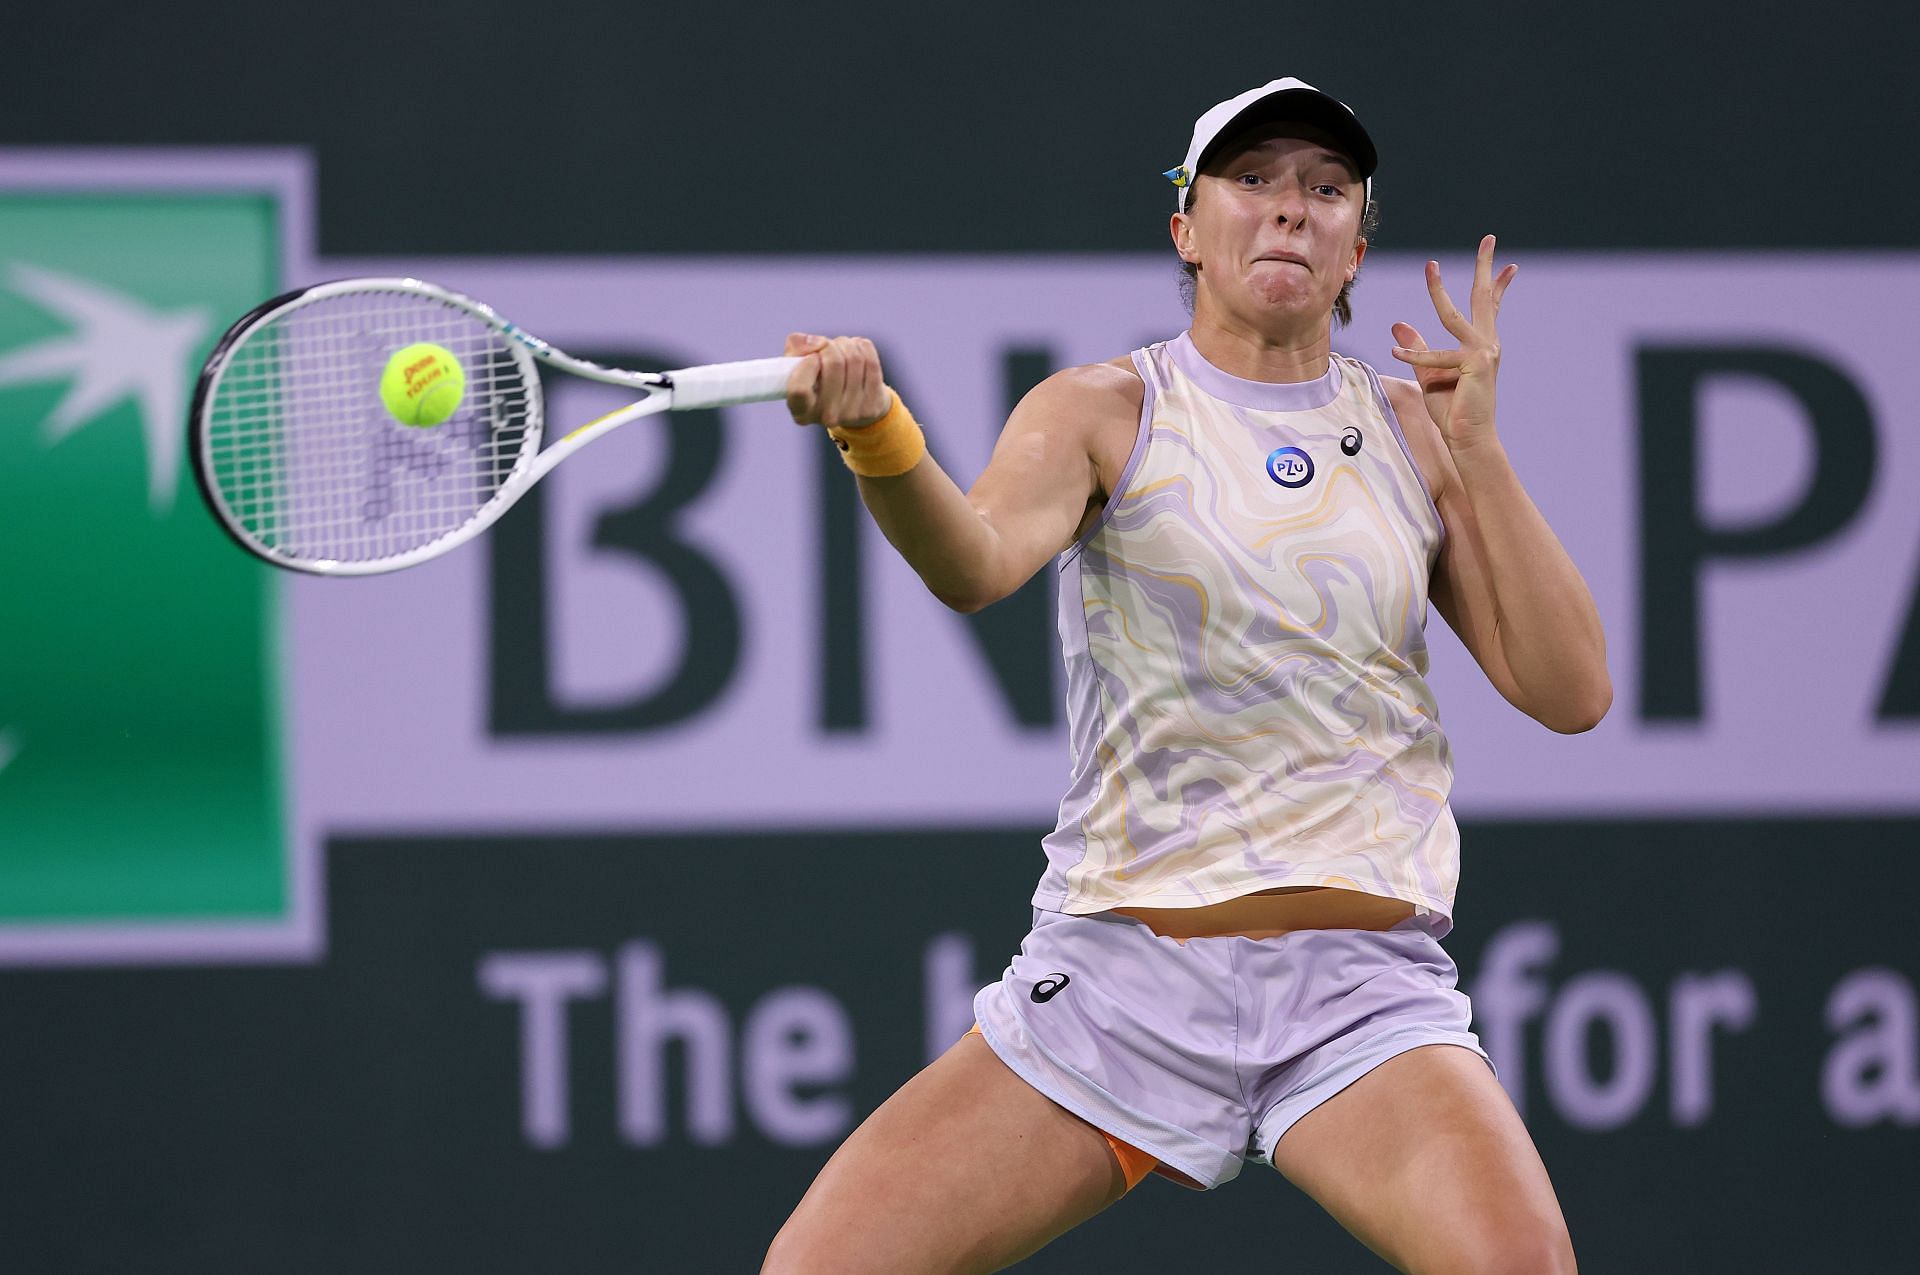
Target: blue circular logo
1290, 467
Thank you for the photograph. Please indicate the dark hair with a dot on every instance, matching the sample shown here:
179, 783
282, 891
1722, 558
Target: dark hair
1342, 304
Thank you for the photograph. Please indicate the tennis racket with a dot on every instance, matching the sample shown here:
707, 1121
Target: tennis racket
304, 466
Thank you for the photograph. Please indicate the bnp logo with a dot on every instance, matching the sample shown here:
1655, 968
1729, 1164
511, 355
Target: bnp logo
140, 777
115, 348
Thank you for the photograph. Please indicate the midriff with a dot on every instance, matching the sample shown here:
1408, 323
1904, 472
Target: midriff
1270, 913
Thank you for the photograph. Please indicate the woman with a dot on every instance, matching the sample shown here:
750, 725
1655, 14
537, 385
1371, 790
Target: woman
1235, 953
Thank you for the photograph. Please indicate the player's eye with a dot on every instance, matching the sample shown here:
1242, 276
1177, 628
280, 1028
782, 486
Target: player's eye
1328, 188
1248, 179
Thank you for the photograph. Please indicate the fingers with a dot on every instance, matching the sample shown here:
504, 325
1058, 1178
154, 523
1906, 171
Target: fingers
870, 399
1488, 289
1500, 285
1450, 316
1409, 336
803, 381
1430, 358
833, 378
1482, 296
802, 396
837, 382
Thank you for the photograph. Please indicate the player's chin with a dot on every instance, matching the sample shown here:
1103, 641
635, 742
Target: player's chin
1284, 304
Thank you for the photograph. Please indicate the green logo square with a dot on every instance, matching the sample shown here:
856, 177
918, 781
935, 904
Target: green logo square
140, 763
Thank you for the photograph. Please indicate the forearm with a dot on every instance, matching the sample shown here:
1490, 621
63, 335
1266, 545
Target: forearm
973, 547
1547, 627
929, 520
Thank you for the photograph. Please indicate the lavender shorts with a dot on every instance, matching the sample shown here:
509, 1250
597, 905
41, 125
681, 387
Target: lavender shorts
1204, 1053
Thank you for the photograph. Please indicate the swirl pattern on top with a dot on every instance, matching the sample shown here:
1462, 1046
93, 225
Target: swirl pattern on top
1246, 661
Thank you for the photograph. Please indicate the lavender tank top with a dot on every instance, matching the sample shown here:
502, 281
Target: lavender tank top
1243, 633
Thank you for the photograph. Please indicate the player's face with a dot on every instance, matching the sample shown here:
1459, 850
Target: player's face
1274, 224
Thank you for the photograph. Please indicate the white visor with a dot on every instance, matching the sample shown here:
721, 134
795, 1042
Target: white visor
1277, 100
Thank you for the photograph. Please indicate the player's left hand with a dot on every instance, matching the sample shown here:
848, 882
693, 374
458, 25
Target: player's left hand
1458, 384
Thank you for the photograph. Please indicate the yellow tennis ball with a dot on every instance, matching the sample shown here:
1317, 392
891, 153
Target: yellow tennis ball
423, 384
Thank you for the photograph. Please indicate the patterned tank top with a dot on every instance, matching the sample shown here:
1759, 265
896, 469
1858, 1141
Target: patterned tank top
1243, 632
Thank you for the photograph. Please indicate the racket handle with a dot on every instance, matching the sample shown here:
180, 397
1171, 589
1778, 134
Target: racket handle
718, 384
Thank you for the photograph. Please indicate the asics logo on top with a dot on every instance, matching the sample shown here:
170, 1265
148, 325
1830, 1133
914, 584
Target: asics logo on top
1048, 987
1350, 441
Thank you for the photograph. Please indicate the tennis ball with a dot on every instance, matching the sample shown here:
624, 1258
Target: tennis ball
423, 384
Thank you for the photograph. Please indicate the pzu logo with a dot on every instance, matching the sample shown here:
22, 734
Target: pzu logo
1290, 467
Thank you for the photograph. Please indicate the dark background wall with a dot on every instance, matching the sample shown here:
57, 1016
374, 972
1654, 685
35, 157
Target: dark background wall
722, 128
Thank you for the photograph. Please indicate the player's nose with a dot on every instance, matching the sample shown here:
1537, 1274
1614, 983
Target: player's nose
1289, 205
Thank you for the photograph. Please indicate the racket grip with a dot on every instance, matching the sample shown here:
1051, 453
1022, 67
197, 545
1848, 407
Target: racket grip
718, 384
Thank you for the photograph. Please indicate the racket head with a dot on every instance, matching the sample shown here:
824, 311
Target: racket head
304, 466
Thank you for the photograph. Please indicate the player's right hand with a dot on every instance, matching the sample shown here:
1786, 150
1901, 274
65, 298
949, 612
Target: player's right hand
837, 383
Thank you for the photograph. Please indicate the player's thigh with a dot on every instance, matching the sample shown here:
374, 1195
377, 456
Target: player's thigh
1425, 1160
966, 1168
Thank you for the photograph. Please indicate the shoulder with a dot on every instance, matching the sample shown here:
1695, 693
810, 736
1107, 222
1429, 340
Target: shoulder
1404, 395
1422, 435
1090, 411
1091, 391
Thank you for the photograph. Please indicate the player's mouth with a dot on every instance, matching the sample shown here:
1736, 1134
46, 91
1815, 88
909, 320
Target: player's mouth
1288, 257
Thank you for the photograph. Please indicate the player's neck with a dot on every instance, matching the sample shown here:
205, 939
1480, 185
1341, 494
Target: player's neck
1261, 354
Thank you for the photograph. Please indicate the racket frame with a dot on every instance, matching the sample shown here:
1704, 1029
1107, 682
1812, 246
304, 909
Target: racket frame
714, 385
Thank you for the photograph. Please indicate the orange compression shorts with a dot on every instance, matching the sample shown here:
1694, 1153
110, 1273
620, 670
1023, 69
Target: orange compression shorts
1134, 1163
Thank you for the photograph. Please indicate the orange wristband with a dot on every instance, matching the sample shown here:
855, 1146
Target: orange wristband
885, 449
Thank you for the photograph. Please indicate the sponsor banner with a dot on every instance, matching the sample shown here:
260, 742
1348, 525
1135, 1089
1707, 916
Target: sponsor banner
694, 625
634, 1053
143, 809
697, 626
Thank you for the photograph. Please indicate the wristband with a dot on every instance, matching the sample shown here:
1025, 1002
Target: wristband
885, 449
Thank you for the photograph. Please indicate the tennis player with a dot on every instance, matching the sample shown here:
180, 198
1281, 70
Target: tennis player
1235, 953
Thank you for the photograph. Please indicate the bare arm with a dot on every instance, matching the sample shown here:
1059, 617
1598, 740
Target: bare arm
1504, 582
974, 548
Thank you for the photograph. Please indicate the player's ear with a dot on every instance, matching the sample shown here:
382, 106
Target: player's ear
1359, 252
1180, 228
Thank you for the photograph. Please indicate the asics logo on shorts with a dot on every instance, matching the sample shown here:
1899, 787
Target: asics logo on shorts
1046, 988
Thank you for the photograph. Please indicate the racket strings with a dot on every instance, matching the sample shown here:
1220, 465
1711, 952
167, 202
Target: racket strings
309, 462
